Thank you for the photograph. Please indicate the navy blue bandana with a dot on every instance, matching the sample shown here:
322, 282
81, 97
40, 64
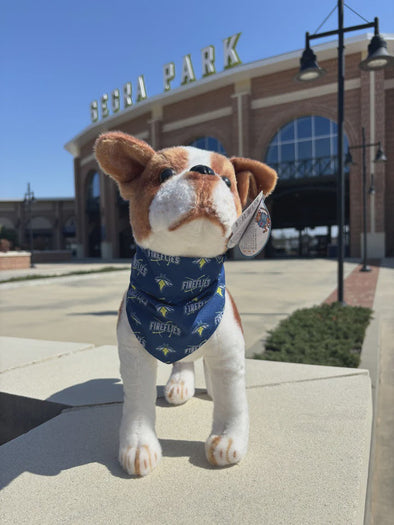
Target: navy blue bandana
174, 304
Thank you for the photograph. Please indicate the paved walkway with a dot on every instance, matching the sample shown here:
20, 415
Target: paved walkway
265, 291
359, 287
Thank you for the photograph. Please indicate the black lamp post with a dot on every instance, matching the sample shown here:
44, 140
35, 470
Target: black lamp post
378, 58
28, 201
379, 157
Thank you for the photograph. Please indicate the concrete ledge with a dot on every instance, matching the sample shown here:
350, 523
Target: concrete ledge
307, 461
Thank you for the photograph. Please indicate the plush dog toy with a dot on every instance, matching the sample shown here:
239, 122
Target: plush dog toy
183, 204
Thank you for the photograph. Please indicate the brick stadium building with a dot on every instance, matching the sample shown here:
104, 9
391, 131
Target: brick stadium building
258, 110
49, 225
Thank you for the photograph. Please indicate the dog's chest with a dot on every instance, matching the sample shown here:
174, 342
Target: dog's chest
174, 304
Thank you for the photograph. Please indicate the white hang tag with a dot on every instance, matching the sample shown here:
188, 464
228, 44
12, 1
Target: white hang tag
252, 229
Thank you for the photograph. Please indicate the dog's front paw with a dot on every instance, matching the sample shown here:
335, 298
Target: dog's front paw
141, 456
180, 386
222, 450
178, 392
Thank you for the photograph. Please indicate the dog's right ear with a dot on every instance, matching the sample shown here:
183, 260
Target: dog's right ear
122, 156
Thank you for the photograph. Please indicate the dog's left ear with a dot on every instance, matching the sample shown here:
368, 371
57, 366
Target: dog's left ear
122, 156
252, 177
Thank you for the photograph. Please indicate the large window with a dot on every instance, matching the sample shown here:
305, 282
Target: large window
210, 144
305, 147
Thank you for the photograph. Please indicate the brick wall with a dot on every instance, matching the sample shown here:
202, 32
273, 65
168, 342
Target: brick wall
204, 103
14, 261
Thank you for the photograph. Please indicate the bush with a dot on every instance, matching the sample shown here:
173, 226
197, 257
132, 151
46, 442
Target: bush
330, 334
8, 234
4, 245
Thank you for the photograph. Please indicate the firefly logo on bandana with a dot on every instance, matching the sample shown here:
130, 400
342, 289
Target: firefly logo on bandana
158, 327
190, 285
191, 308
135, 295
159, 257
200, 329
174, 304
218, 317
163, 281
165, 350
201, 262
163, 310
139, 267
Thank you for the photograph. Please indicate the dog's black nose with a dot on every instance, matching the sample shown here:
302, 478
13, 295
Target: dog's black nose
205, 170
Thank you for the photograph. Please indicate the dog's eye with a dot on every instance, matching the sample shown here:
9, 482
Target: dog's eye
166, 174
227, 181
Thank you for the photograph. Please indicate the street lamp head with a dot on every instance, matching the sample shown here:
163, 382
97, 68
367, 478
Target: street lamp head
378, 56
309, 68
349, 159
380, 156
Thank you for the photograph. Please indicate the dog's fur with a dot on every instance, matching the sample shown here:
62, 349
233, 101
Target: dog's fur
191, 215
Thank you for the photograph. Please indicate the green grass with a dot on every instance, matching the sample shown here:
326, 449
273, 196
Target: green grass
329, 334
53, 276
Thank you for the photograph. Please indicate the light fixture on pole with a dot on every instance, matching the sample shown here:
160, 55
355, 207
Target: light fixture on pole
309, 68
28, 201
379, 158
378, 58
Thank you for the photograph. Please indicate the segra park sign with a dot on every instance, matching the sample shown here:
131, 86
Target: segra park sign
101, 109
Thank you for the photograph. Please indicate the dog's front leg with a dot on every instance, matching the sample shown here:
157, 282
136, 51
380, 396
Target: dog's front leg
225, 364
139, 451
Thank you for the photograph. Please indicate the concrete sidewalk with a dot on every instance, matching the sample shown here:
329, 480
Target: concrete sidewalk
308, 457
307, 461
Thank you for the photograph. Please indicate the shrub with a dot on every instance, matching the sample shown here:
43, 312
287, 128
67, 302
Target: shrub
4, 245
329, 334
8, 234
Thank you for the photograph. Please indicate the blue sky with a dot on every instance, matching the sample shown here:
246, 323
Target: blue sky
57, 56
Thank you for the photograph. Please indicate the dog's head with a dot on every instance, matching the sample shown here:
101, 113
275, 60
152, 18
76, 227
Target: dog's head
183, 200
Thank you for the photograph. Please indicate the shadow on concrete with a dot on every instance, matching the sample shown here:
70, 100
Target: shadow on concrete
92, 392
98, 313
104, 391
84, 431
19, 414
194, 450
77, 437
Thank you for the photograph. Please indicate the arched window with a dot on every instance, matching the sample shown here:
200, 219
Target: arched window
210, 144
305, 147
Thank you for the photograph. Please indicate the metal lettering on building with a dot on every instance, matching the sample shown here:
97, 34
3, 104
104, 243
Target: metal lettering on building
100, 109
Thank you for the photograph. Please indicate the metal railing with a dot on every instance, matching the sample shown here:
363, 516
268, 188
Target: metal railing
304, 168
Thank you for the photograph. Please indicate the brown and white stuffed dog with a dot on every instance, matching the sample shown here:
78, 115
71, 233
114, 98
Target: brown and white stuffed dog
183, 204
